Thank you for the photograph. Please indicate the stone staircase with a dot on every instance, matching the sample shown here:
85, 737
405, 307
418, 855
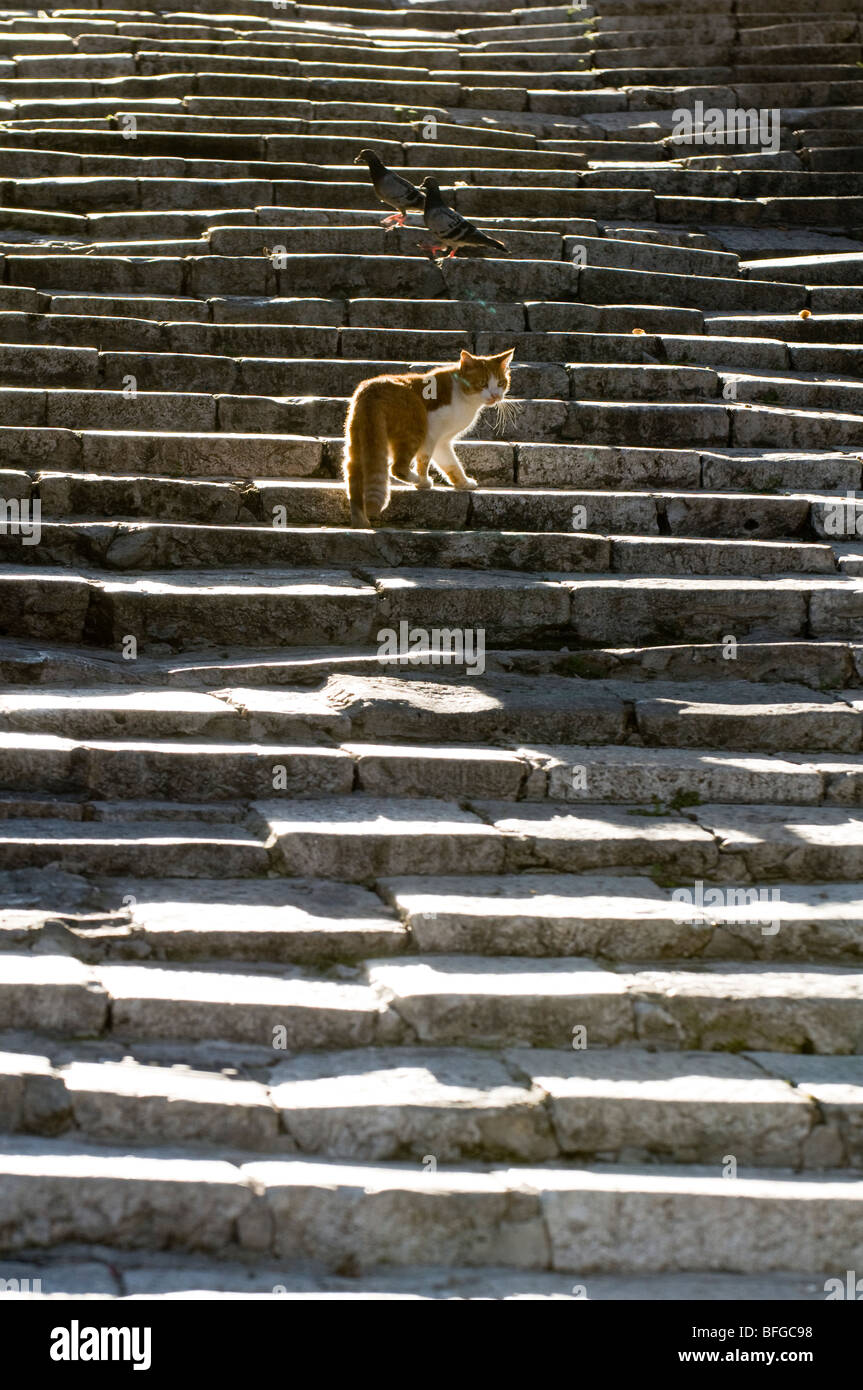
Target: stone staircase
329, 972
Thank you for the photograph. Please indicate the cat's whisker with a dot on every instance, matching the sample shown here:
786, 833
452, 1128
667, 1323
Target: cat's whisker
506, 411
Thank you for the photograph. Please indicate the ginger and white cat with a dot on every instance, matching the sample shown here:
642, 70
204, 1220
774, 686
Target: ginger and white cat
415, 416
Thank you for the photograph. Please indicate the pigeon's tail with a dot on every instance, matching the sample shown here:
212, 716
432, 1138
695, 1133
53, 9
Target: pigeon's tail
366, 463
483, 239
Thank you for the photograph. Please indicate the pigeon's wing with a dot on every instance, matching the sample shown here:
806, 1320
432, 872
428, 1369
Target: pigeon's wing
483, 239
413, 197
446, 222
392, 188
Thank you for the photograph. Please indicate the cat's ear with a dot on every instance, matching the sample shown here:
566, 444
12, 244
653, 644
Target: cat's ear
468, 357
504, 358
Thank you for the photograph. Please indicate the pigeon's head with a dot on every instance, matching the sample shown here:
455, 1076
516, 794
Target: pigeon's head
430, 185
367, 157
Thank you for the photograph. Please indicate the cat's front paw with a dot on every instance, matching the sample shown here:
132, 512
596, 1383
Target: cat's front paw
467, 484
421, 483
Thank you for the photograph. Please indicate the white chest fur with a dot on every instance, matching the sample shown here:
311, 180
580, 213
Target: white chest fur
449, 421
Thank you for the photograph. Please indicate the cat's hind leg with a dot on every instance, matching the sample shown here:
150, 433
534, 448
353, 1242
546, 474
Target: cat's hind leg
446, 459
402, 465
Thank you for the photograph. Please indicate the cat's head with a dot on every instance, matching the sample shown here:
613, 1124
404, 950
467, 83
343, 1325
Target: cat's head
487, 377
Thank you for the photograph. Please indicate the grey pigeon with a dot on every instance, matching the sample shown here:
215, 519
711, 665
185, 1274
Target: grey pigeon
447, 226
392, 189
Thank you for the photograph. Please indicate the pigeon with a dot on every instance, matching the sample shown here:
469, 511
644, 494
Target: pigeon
392, 189
447, 226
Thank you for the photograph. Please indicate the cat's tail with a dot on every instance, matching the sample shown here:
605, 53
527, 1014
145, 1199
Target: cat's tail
366, 462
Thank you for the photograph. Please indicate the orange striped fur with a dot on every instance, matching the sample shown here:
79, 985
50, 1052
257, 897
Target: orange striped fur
394, 420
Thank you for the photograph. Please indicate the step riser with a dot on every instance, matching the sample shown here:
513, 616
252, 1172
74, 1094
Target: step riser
295, 507
631, 423
593, 614
591, 1126
164, 547
500, 1227
217, 774
607, 1015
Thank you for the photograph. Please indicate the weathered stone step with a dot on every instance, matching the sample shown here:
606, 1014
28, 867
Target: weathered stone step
25, 166
183, 454
329, 378
442, 1000
435, 315
818, 211
803, 390
200, 608
156, 116
208, 770
244, 151
238, 80
223, 456
791, 328
476, 1106
757, 842
549, 172
837, 156
169, 1275
623, 917
821, 665
395, 347
637, 421
95, 193
363, 838
616, 916
843, 269
656, 777
143, 334
836, 299
494, 709
527, 1218
303, 921
283, 340
661, 1104
117, 545
598, 284
734, 184
164, 1001
137, 408
113, 1102
668, 776
768, 426
602, 251
161, 849
289, 507
800, 844
197, 221
350, 275
768, 241
465, 1000
381, 1104
303, 605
